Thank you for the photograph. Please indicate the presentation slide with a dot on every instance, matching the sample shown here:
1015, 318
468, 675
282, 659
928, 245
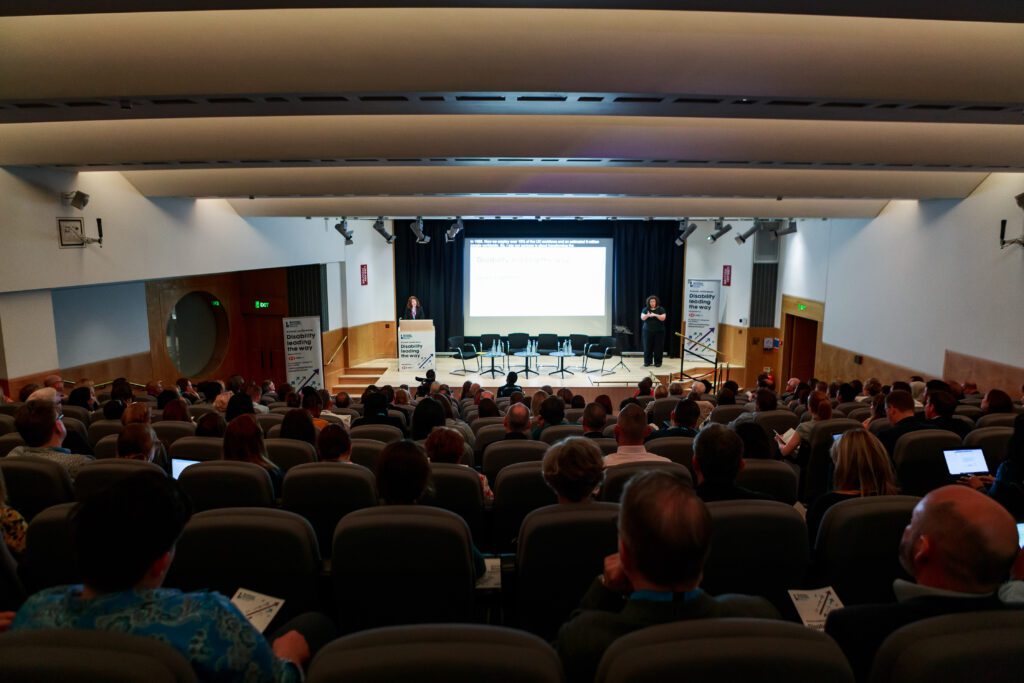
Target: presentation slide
537, 285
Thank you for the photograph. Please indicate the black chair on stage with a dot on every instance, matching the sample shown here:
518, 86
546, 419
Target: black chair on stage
601, 350
546, 345
463, 352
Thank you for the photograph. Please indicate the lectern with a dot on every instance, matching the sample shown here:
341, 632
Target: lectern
415, 345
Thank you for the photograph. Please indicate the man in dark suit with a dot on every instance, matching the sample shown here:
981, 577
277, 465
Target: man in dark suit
899, 408
959, 547
375, 412
517, 422
664, 538
594, 419
939, 410
684, 421
717, 461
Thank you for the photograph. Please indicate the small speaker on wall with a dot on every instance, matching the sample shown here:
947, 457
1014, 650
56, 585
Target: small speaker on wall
858, 360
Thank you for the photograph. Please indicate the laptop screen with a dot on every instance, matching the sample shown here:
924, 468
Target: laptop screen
966, 461
178, 466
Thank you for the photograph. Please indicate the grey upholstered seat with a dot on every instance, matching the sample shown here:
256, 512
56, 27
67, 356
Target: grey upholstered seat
774, 477
96, 476
456, 488
519, 490
102, 428
49, 559
993, 441
385, 433
8, 442
324, 492
287, 453
558, 432
701, 651
920, 464
482, 422
615, 478
35, 483
485, 436
818, 474
504, 453
200, 448
660, 410
6, 425
172, 430
779, 421
678, 449
996, 420
437, 653
365, 451
726, 414
226, 484
12, 590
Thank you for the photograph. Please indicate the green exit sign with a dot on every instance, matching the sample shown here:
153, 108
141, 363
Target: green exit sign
261, 304
801, 307
215, 302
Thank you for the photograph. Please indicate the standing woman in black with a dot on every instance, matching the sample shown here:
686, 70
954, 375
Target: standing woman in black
653, 317
413, 309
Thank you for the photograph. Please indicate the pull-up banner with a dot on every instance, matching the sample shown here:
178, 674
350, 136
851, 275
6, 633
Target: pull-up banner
702, 297
304, 357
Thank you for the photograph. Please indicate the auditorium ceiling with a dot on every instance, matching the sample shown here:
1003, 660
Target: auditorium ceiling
509, 109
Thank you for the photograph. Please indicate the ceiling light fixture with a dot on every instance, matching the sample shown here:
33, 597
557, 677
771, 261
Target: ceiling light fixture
77, 199
788, 230
417, 229
685, 230
721, 227
342, 228
740, 239
453, 230
378, 225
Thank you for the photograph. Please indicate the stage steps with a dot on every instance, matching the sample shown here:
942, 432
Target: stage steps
355, 380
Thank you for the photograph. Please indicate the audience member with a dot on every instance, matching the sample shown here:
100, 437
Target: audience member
187, 391
27, 391
821, 410
552, 412
165, 397
958, 547
606, 402
726, 397
574, 469
593, 420
255, 395
375, 412
862, 468
403, 473
1007, 487
510, 385
717, 461
971, 389
298, 424
343, 400
55, 382
877, 410
12, 525
516, 397
121, 390
664, 538
488, 408
40, 424
899, 408
644, 388
630, 431
83, 397
154, 388
661, 391
429, 414
313, 404
535, 401
334, 444
137, 442
996, 401
124, 539
268, 392
238, 404
243, 442
578, 402
176, 411
446, 445
939, 408
675, 389
137, 413
757, 445
764, 401
211, 425
517, 422
684, 421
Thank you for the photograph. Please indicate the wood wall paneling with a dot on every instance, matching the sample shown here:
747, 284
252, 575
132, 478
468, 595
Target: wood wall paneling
371, 341
837, 363
985, 373
330, 340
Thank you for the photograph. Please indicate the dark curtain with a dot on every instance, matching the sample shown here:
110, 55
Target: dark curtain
433, 273
646, 262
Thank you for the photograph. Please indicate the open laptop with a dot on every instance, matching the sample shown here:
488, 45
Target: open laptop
965, 462
178, 466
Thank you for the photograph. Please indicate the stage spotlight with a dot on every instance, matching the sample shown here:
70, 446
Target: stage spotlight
378, 225
740, 239
453, 230
685, 230
788, 230
342, 228
417, 229
77, 199
720, 230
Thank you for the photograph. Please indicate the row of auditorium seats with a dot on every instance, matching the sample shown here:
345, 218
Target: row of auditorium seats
950, 648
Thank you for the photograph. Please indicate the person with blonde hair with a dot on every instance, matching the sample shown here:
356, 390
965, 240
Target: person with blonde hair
862, 468
538, 398
573, 468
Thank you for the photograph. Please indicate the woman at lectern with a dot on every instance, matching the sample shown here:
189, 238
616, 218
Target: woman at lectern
653, 316
413, 310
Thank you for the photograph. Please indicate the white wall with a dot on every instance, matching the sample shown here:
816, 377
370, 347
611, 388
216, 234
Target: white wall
704, 261
375, 301
100, 322
922, 277
804, 259
29, 338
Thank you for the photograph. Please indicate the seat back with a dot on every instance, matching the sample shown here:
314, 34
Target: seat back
7, 425
678, 449
196, 412
106, 448
519, 490
920, 464
273, 552
766, 534
818, 474
8, 442
615, 478
287, 453
996, 420
402, 564
857, 548
779, 421
76, 426
607, 446
456, 653
169, 432
971, 411
218, 484
517, 341
49, 559
34, 484
993, 441
268, 420
954, 647
324, 492
558, 432
561, 549
546, 343
457, 489
481, 422
10, 409
202, 448
486, 435
12, 590
385, 433
751, 650
86, 656
503, 453
726, 414
96, 476
365, 452
660, 410
101, 428
778, 479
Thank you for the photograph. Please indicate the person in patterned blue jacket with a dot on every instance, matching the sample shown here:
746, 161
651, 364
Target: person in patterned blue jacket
125, 540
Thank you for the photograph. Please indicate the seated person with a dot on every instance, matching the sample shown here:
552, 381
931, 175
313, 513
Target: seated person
939, 409
552, 412
446, 445
1007, 487
176, 411
664, 539
764, 401
137, 442
40, 424
313, 404
243, 442
593, 420
510, 386
996, 401
517, 422
630, 431
334, 444
488, 408
83, 397
574, 469
862, 468
684, 421
239, 404
899, 408
717, 461
959, 548
757, 445
165, 397
298, 425
821, 409
343, 400
211, 425
114, 409
124, 538
375, 412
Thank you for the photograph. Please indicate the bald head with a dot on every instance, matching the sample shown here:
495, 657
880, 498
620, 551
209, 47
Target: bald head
959, 540
631, 427
517, 419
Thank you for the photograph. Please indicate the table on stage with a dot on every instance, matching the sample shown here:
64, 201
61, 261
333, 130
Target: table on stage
526, 356
561, 356
492, 371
